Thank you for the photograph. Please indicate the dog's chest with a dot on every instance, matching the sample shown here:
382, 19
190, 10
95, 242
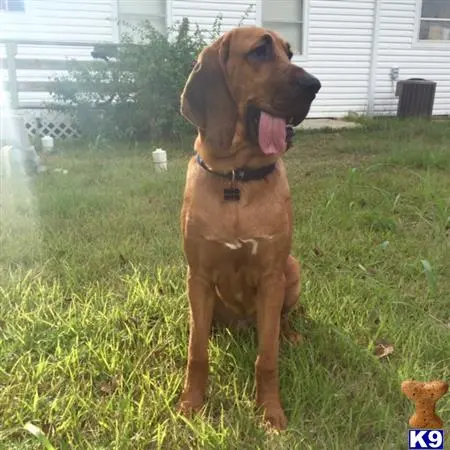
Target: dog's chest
239, 225
249, 232
236, 238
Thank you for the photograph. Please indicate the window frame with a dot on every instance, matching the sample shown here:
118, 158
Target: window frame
6, 10
433, 43
303, 21
166, 17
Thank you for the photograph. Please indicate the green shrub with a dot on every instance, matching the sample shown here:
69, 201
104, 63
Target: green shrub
136, 95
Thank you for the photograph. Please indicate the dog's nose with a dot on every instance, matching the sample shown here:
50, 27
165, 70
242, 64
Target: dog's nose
308, 82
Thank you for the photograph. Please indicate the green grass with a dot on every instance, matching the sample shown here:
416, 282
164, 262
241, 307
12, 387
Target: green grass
93, 312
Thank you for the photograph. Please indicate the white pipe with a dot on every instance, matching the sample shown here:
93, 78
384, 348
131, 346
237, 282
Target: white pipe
373, 68
160, 160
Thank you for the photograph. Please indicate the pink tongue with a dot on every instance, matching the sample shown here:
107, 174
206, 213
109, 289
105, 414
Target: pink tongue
272, 134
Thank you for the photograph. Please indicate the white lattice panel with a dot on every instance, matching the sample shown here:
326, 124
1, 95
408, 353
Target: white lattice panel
42, 122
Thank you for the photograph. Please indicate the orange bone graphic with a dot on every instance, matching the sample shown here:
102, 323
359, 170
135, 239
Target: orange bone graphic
425, 397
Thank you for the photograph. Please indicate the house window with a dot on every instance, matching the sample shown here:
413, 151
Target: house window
134, 12
12, 5
157, 14
285, 17
435, 20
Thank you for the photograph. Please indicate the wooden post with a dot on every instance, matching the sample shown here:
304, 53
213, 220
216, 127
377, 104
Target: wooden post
11, 52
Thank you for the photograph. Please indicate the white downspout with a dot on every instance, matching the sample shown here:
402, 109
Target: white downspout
258, 12
373, 67
169, 14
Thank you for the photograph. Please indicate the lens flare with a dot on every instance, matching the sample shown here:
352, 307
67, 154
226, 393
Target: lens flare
19, 228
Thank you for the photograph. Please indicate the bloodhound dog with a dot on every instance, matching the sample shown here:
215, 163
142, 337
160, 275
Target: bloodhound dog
243, 96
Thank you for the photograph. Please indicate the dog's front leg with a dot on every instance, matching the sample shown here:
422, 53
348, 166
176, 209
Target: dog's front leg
201, 301
270, 302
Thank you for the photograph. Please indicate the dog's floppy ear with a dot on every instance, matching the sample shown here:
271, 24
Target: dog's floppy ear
206, 101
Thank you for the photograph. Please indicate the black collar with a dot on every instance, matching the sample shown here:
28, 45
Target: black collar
242, 174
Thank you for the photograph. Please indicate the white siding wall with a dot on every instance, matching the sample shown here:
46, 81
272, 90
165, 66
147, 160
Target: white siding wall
338, 44
399, 46
56, 20
205, 12
338, 51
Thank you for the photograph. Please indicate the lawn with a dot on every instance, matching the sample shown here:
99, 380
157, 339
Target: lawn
93, 311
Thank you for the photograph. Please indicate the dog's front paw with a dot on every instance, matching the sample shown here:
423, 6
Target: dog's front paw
190, 402
274, 417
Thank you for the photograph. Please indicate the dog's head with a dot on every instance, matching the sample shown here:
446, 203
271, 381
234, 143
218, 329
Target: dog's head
247, 78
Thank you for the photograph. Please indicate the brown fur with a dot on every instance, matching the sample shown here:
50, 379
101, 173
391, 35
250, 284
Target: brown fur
238, 253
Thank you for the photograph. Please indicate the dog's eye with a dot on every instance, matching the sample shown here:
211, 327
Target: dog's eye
261, 53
